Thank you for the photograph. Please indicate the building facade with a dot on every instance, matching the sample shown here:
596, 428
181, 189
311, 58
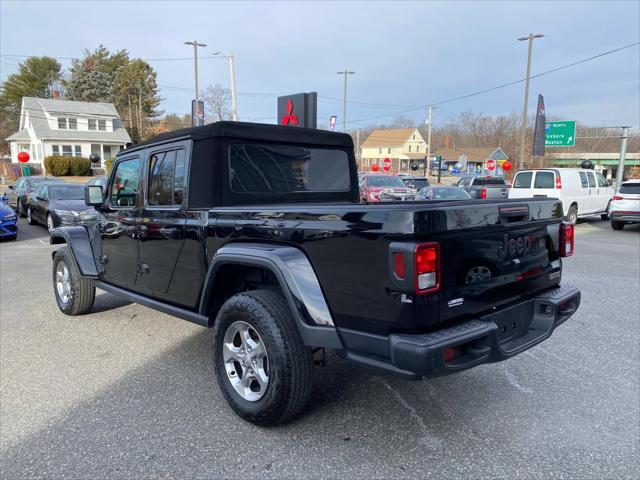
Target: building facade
67, 128
471, 159
402, 146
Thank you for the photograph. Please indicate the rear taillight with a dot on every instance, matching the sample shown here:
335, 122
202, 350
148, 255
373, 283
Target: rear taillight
558, 182
566, 240
618, 197
427, 268
483, 193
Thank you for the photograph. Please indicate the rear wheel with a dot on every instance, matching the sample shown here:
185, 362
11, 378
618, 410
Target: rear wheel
262, 366
21, 210
572, 215
74, 293
30, 219
617, 225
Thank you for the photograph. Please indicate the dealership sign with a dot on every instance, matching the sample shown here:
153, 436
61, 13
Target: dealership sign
298, 110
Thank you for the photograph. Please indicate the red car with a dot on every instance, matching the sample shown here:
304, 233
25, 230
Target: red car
384, 188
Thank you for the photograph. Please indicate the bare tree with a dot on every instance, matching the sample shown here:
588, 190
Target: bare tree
216, 99
402, 121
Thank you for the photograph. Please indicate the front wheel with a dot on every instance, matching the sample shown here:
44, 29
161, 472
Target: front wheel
605, 216
50, 225
262, 366
30, 219
74, 293
617, 225
21, 210
572, 215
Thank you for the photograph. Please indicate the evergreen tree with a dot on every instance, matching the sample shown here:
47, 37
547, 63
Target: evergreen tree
93, 75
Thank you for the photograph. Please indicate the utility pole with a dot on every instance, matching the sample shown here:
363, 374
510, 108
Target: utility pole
623, 154
232, 80
426, 163
195, 62
523, 128
344, 109
358, 145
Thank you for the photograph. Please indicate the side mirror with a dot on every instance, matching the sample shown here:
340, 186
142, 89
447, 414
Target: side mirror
39, 197
93, 195
12, 187
609, 182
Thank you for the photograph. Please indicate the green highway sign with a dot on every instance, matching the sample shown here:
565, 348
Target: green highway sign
560, 134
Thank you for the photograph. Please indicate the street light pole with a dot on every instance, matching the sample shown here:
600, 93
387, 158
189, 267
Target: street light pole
623, 154
232, 79
523, 128
344, 108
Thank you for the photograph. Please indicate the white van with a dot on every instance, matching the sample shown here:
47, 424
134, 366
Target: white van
583, 192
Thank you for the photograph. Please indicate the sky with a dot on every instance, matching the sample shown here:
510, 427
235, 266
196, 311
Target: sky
405, 55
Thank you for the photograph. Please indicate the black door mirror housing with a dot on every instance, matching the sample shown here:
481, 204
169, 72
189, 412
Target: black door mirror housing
93, 195
609, 182
12, 187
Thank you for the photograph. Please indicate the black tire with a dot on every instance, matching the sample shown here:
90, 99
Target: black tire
30, 219
617, 225
572, 215
289, 360
82, 290
20, 208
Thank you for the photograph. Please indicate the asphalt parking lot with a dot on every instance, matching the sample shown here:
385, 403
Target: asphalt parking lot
127, 392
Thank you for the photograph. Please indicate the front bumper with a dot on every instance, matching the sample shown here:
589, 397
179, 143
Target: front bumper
9, 228
490, 338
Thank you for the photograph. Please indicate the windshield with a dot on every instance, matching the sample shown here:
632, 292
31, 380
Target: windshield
450, 194
66, 192
417, 183
384, 181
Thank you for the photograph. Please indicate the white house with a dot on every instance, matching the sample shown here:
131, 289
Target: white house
67, 128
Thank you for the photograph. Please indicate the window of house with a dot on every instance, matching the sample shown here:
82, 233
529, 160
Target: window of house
379, 150
93, 125
417, 148
62, 123
73, 124
166, 178
389, 150
66, 151
414, 136
409, 148
124, 189
55, 150
102, 125
106, 150
77, 151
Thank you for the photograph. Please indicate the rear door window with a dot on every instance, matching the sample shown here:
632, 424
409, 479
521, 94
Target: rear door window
479, 182
592, 179
166, 178
583, 180
544, 180
523, 180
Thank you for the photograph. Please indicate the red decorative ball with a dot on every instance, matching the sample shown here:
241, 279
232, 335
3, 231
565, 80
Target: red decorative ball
506, 166
23, 157
375, 167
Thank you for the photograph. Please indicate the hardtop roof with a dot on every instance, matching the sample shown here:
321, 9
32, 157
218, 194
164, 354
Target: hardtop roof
252, 131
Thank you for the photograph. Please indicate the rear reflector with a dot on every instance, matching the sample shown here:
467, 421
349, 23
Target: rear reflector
483, 193
398, 265
566, 240
449, 354
558, 182
427, 268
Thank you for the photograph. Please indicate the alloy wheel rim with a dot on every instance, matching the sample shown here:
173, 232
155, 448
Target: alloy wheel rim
245, 361
63, 282
477, 274
29, 215
49, 222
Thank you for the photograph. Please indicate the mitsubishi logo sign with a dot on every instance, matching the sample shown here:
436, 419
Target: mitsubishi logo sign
290, 118
298, 110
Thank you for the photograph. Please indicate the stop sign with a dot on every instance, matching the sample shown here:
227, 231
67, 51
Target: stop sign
386, 164
490, 164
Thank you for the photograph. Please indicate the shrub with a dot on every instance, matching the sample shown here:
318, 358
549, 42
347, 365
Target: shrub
61, 166
108, 163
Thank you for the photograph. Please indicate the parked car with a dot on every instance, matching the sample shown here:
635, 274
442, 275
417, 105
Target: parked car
18, 194
485, 186
8, 221
55, 205
582, 192
625, 205
98, 180
438, 192
384, 188
416, 183
266, 242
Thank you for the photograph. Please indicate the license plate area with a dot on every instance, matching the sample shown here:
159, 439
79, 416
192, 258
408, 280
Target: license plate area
514, 321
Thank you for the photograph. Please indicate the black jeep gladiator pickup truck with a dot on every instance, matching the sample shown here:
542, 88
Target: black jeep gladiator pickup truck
258, 231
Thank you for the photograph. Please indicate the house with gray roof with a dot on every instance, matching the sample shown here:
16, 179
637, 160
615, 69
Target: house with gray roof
67, 128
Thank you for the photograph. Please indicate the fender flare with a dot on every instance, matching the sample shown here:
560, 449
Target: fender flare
77, 238
298, 282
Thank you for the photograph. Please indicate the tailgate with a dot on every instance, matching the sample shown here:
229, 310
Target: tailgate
497, 192
491, 253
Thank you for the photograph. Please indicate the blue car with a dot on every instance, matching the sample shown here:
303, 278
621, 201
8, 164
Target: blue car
8, 220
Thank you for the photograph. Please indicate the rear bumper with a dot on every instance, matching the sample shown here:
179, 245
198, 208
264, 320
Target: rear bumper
490, 338
622, 216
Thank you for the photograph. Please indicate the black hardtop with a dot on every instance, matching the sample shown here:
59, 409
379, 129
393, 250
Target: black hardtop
252, 131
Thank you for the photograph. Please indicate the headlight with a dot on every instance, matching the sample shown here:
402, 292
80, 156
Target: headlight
66, 213
10, 217
87, 215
